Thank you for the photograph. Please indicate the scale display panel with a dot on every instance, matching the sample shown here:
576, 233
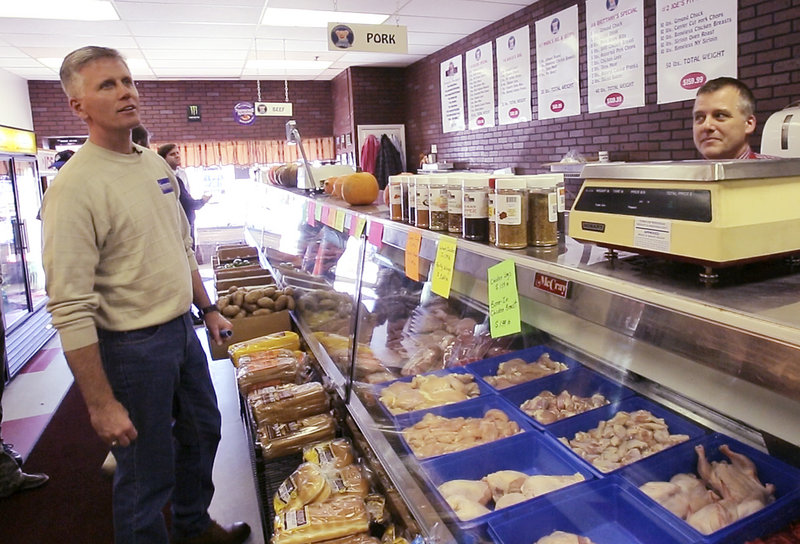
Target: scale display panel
676, 204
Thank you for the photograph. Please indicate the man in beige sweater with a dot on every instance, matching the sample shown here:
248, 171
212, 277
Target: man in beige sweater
121, 276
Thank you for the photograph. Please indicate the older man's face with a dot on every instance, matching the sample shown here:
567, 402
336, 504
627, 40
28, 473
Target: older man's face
720, 127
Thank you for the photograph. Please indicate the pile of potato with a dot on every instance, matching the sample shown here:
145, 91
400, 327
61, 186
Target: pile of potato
251, 301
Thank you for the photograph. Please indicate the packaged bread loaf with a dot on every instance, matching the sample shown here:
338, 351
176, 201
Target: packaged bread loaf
335, 453
361, 538
306, 485
283, 339
285, 403
269, 367
335, 518
348, 480
279, 439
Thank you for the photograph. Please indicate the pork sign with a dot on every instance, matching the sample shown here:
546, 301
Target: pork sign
369, 38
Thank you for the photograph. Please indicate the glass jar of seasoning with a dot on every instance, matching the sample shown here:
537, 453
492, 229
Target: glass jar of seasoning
475, 208
511, 213
422, 202
561, 191
490, 209
543, 211
395, 198
404, 197
454, 204
412, 199
437, 197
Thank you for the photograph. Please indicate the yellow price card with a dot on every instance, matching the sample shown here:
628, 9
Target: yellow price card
442, 276
339, 221
357, 226
504, 313
413, 243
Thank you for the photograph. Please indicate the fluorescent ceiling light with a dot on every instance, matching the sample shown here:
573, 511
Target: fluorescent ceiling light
267, 64
317, 18
76, 10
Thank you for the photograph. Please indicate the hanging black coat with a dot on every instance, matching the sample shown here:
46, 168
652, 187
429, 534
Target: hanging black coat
388, 162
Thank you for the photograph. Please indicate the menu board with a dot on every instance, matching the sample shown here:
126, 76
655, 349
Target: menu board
514, 77
480, 87
557, 64
452, 88
615, 38
696, 41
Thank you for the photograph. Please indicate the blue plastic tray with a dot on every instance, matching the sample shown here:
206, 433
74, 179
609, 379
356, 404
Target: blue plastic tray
608, 511
470, 408
590, 420
488, 367
483, 388
683, 458
530, 453
580, 381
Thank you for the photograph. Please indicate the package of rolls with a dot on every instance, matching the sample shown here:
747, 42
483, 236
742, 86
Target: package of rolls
280, 439
287, 402
283, 339
335, 518
270, 367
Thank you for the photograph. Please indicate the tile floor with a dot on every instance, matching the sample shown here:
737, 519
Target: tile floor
32, 397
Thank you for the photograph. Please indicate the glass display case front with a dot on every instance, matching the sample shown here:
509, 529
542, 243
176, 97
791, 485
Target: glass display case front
486, 437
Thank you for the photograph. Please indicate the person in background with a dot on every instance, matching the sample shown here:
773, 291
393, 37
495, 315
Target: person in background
140, 136
172, 155
61, 158
12, 478
724, 119
121, 276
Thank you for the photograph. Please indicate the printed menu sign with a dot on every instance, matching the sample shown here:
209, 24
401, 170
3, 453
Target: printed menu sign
557, 64
480, 87
452, 89
615, 38
514, 77
696, 41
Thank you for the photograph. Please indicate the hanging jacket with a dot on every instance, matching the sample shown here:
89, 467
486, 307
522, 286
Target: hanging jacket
388, 163
369, 153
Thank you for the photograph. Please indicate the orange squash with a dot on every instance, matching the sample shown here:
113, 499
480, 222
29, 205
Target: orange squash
359, 188
337, 186
328, 185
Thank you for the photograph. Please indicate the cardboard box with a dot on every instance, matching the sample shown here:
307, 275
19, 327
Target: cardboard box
240, 272
239, 252
246, 328
224, 285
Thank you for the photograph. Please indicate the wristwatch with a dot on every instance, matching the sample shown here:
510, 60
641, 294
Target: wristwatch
208, 309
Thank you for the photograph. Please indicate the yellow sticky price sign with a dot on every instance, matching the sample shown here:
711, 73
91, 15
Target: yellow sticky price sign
413, 243
443, 266
504, 312
360, 224
339, 222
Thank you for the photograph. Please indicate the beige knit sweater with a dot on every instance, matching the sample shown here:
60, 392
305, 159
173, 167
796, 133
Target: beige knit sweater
117, 247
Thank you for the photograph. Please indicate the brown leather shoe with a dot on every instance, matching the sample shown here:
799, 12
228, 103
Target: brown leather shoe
235, 533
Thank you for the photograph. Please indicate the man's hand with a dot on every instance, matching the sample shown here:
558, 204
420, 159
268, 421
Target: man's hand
216, 323
112, 424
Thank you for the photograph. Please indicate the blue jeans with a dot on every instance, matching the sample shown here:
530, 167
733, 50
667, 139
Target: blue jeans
160, 374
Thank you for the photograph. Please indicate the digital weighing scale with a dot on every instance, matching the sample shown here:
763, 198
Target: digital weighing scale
712, 213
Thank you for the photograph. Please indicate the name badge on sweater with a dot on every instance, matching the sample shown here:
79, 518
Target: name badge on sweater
166, 186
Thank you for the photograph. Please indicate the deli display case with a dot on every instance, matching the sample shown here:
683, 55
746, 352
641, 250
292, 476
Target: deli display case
704, 370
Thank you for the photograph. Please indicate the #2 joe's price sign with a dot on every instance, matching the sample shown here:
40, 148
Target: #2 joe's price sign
504, 313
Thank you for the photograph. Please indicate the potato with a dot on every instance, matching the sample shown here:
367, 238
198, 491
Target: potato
290, 305
250, 307
281, 302
223, 301
262, 311
232, 289
288, 291
254, 295
241, 314
230, 311
238, 298
266, 302
270, 291
277, 294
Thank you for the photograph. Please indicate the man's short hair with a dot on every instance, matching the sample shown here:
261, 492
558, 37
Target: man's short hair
165, 149
747, 102
75, 61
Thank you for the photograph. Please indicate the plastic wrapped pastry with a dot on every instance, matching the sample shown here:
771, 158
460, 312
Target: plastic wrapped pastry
336, 518
279, 439
285, 403
336, 453
283, 339
269, 367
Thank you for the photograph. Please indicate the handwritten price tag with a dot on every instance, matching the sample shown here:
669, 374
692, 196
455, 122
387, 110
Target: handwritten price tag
443, 266
375, 234
413, 243
504, 313
357, 226
339, 221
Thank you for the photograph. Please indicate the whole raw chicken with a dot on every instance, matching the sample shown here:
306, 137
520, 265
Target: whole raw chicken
737, 480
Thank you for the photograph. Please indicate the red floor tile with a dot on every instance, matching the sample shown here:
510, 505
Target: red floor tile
24, 432
40, 361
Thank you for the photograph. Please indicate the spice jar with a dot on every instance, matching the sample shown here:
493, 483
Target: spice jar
411, 192
543, 211
437, 197
511, 213
395, 198
475, 210
491, 211
454, 204
421, 188
561, 191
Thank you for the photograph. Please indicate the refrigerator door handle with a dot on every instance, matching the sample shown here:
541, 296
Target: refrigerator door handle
23, 231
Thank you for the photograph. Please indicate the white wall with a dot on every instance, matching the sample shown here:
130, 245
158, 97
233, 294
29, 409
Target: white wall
15, 106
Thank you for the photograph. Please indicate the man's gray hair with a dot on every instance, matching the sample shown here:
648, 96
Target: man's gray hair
75, 61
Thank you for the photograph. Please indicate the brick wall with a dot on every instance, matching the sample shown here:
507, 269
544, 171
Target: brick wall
164, 110
769, 62
378, 97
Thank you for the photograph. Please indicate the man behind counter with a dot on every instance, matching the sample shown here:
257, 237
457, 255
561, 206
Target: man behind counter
724, 118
